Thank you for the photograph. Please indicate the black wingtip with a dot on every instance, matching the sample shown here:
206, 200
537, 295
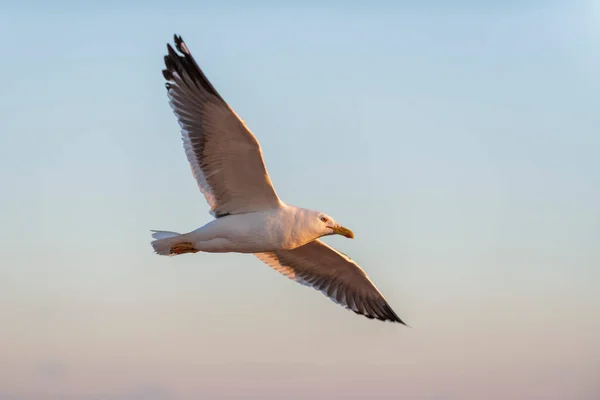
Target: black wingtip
167, 74
185, 67
383, 313
392, 316
172, 53
180, 44
389, 317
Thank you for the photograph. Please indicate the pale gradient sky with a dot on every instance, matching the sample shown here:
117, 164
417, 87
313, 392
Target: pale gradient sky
460, 143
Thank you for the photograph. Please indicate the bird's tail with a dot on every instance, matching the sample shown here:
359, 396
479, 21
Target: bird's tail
164, 242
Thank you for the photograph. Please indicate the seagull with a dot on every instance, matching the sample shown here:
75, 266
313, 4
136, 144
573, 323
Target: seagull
249, 217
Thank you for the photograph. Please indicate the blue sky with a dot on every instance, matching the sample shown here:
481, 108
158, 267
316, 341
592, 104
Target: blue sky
459, 142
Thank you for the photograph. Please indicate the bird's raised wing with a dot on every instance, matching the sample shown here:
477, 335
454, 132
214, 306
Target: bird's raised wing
323, 268
225, 157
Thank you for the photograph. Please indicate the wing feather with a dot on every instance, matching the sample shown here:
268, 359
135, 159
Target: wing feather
225, 157
335, 275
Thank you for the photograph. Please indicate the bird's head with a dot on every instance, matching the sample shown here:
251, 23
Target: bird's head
324, 225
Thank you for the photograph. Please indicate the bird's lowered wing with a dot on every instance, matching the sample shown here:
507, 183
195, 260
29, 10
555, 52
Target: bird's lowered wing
323, 268
225, 157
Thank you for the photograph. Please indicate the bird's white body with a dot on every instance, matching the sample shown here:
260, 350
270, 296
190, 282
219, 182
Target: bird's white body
283, 228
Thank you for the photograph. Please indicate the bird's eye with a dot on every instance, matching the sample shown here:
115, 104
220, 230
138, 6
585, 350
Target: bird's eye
324, 219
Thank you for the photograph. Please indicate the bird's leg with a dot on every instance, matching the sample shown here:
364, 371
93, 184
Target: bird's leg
182, 248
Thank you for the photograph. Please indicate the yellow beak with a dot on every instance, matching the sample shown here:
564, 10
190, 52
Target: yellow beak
340, 230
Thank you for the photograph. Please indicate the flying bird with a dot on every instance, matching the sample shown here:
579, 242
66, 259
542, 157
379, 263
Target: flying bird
249, 217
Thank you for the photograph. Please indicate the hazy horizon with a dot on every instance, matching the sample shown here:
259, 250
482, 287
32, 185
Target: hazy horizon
459, 143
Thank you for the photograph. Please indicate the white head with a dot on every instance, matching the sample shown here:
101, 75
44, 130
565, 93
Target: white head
322, 224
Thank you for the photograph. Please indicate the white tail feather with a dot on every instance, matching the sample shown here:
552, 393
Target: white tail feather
164, 241
164, 234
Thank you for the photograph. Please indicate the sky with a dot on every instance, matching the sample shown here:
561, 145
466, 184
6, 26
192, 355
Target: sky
459, 141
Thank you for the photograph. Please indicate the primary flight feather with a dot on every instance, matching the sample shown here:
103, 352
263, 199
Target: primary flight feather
226, 160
